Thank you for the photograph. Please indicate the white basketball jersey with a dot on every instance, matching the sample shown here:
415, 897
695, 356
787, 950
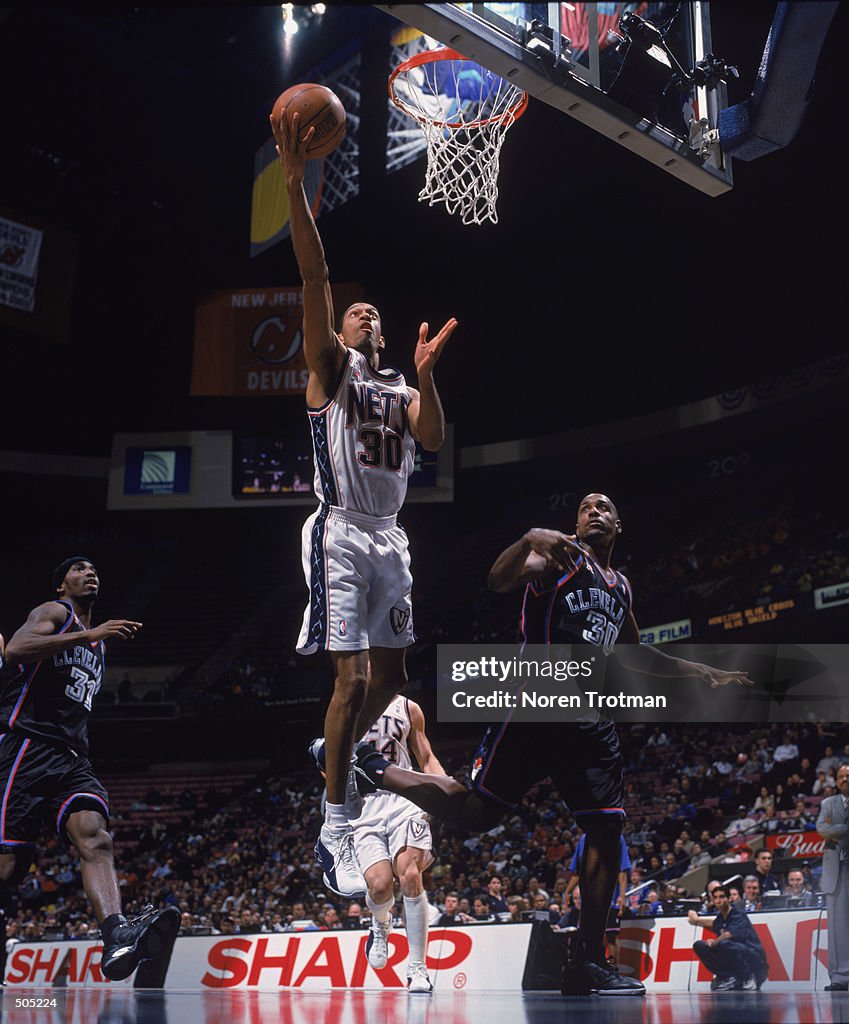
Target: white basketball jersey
390, 732
362, 444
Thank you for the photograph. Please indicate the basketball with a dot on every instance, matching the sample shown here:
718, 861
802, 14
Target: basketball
319, 108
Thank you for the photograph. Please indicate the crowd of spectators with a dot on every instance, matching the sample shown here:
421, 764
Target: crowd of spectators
697, 796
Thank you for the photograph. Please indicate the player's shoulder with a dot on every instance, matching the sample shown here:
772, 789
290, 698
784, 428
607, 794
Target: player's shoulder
54, 610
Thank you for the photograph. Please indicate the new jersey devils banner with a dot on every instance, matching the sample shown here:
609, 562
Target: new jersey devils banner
249, 341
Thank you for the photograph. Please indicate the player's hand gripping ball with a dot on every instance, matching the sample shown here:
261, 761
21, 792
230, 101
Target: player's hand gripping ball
318, 107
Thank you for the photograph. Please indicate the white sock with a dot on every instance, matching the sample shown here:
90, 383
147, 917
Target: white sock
379, 911
415, 918
334, 815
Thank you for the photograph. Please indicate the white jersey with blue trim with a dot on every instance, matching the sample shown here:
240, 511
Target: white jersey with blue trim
390, 733
362, 445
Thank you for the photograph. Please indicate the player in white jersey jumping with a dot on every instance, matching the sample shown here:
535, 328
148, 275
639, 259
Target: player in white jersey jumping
365, 422
392, 839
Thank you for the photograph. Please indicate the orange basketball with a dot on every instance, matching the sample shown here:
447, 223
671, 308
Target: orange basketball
319, 108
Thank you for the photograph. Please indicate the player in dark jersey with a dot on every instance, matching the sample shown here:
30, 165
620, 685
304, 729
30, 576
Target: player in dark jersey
45, 773
572, 596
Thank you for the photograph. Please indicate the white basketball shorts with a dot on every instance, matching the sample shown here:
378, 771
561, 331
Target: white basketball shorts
358, 573
388, 824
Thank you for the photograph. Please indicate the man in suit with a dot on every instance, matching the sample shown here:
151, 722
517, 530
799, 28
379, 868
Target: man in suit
833, 826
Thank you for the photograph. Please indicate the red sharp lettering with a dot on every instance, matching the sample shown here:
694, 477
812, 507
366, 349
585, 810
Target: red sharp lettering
331, 969
286, 962
220, 959
461, 943
19, 965
46, 964
668, 953
777, 970
92, 966
804, 948
637, 959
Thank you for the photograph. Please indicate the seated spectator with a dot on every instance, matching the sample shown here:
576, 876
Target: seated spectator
354, 916
823, 782
764, 799
735, 895
798, 890
763, 872
481, 911
752, 900
787, 751
744, 822
637, 889
770, 822
299, 920
542, 905
735, 957
800, 819
707, 897
517, 906
828, 762
699, 856
654, 903
497, 905
451, 914
570, 910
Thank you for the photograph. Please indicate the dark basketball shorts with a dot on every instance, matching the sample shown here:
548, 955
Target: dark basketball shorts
613, 924
38, 782
582, 759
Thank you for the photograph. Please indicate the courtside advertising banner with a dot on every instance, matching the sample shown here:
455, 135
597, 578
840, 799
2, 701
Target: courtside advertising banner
479, 958
250, 342
20, 246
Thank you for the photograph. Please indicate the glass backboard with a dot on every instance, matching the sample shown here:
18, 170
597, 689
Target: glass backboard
641, 74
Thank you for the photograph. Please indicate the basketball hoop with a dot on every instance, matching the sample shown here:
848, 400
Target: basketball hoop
464, 112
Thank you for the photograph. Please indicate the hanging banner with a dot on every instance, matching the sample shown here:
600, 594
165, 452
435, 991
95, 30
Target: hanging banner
20, 246
249, 341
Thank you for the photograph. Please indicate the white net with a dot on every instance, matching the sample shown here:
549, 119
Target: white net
464, 111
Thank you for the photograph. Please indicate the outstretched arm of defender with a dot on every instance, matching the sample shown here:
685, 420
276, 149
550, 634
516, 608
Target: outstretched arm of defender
323, 351
37, 638
427, 420
652, 662
538, 553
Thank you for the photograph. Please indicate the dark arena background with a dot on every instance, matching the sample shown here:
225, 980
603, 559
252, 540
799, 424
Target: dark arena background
619, 331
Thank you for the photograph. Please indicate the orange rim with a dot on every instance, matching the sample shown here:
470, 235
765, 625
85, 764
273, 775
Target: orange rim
512, 113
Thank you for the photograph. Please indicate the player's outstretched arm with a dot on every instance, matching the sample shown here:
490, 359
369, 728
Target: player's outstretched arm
652, 662
427, 420
323, 351
420, 746
538, 553
38, 639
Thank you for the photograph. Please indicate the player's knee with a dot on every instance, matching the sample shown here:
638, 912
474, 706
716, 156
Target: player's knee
382, 891
95, 844
350, 690
410, 880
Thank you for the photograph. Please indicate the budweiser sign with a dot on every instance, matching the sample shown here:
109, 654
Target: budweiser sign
797, 844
